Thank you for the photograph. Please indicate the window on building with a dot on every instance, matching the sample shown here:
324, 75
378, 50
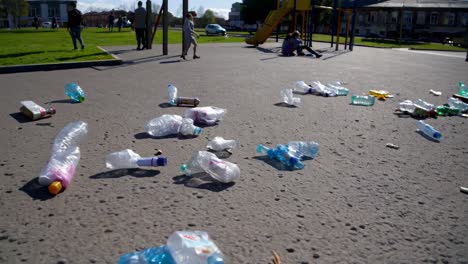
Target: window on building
394, 16
371, 17
408, 18
53, 11
465, 19
434, 18
449, 19
421, 20
32, 12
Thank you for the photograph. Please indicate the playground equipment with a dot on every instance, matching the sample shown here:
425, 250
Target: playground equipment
306, 9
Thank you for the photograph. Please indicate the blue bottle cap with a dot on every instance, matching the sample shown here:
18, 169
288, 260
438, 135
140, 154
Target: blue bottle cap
437, 135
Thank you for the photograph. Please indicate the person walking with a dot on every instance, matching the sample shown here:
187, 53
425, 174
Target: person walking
119, 23
140, 25
54, 22
111, 21
189, 38
36, 22
74, 25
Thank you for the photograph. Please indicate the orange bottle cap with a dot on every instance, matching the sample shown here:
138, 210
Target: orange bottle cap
55, 187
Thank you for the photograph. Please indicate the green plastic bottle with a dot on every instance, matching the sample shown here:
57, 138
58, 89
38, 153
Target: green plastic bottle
367, 100
462, 89
443, 110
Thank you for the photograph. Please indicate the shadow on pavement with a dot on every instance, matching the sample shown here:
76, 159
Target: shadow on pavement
113, 174
282, 104
36, 191
202, 181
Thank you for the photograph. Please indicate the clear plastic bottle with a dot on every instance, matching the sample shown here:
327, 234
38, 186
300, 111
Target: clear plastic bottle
407, 106
322, 89
127, 159
462, 89
429, 130
172, 94
303, 148
219, 143
339, 90
288, 97
171, 124
208, 115
455, 103
302, 87
75, 92
366, 100
154, 255
194, 247
65, 155
424, 105
282, 155
220, 170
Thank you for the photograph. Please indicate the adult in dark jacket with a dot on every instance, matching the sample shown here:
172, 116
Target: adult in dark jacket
74, 25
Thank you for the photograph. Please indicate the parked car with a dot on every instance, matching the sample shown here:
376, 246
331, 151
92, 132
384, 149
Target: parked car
47, 24
215, 29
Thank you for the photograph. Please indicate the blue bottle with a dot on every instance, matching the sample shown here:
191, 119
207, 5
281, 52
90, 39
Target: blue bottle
283, 155
429, 130
75, 92
156, 255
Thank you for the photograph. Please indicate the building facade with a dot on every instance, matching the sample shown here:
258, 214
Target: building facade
426, 20
235, 16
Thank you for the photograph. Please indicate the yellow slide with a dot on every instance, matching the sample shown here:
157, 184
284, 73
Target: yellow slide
272, 20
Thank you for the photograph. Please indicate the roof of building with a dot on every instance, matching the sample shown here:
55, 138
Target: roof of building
408, 3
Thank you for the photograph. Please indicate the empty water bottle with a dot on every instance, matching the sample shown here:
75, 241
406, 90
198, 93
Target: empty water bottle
304, 148
366, 100
171, 124
323, 90
189, 101
172, 94
443, 110
407, 106
455, 103
282, 155
155, 255
75, 92
65, 155
183, 247
339, 90
127, 159
429, 130
424, 105
302, 87
219, 143
220, 170
208, 115
288, 97
462, 89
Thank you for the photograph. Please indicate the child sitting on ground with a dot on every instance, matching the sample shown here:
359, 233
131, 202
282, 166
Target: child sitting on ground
294, 42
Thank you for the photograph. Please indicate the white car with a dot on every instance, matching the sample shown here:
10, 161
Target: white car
215, 29
46, 24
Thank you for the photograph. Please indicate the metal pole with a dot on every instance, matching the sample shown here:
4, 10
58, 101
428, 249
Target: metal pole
149, 19
333, 22
294, 16
338, 30
353, 22
348, 20
184, 12
165, 26
311, 25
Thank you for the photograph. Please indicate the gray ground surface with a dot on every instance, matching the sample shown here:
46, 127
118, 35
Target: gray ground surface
357, 202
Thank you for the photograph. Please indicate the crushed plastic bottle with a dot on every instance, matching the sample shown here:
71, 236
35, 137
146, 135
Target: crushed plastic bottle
302, 87
288, 97
207, 115
219, 143
204, 161
183, 247
171, 124
127, 159
303, 148
321, 89
429, 130
455, 103
462, 89
34, 111
188, 101
366, 100
407, 106
75, 92
281, 154
172, 94
65, 156
424, 105
443, 110
339, 90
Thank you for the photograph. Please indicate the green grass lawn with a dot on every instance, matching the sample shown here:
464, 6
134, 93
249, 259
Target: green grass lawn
30, 46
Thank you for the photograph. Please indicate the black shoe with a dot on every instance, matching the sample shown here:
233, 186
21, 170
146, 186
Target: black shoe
183, 57
301, 54
196, 57
318, 56
138, 48
82, 47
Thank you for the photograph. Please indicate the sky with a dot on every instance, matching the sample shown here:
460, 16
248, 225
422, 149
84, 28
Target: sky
220, 7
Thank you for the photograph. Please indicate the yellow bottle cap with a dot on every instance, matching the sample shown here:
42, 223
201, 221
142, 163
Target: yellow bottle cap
55, 187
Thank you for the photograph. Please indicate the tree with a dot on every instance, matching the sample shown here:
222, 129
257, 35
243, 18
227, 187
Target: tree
256, 10
15, 8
